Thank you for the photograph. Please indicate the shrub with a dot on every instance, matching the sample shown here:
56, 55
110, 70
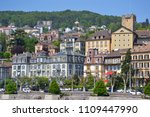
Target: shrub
54, 88
147, 89
100, 88
11, 87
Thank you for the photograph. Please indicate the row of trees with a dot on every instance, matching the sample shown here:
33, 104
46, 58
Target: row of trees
11, 85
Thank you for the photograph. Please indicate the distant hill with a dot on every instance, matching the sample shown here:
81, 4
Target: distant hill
60, 19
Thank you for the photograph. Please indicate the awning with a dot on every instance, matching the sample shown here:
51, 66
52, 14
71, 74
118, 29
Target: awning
109, 73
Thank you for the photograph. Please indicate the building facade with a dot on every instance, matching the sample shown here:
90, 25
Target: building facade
140, 63
143, 36
72, 44
62, 64
124, 37
101, 40
94, 64
48, 47
5, 70
112, 62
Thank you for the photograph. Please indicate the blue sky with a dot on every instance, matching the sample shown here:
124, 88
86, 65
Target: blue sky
106, 7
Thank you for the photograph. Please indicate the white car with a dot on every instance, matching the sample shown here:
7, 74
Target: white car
135, 92
2, 90
26, 90
120, 90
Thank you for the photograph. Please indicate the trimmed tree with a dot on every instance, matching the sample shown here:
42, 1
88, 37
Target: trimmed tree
54, 88
100, 88
147, 89
43, 82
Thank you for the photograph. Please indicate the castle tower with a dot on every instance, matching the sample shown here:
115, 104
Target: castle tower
128, 21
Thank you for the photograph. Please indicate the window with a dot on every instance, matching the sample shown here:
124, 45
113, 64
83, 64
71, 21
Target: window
39, 67
14, 67
19, 67
146, 56
70, 66
63, 65
48, 66
53, 66
146, 65
23, 67
96, 67
34, 66
134, 57
140, 65
140, 57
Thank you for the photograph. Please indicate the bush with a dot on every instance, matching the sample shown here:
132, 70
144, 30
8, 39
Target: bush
11, 87
147, 90
54, 88
100, 89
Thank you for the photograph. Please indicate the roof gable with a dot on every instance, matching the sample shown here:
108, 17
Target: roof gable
123, 30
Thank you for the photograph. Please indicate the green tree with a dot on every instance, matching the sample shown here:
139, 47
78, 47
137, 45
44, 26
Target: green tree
67, 83
100, 88
76, 79
125, 67
1, 54
54, 88
56, 43
43, 82
30, 44
147, 89
11, 87
7, 55
24, 81
90, 82
3, 38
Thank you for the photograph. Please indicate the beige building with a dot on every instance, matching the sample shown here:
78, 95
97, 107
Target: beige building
94, 64
100, 40
124, 37
47, 47
140, 63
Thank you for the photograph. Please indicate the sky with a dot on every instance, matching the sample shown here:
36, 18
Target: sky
140, 8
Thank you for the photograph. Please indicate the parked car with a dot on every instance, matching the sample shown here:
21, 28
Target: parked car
35, 88
119, 90
2, 90
133, 92
26, 90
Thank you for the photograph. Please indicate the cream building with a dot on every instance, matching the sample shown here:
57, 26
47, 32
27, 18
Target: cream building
100, 40
124, 37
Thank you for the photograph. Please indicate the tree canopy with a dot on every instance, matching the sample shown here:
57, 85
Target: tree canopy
60, 19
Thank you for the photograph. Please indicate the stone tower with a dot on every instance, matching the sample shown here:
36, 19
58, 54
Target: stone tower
128, 21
